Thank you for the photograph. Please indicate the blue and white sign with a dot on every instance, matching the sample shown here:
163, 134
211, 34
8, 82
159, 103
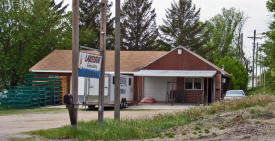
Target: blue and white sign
89, 65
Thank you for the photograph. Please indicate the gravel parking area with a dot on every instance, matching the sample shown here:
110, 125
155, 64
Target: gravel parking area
12, 125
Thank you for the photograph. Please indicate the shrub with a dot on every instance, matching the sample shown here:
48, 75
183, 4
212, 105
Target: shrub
206, 131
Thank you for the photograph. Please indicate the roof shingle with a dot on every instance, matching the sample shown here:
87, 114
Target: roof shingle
130, 61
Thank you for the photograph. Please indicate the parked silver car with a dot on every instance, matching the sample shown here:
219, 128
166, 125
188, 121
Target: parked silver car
234, 94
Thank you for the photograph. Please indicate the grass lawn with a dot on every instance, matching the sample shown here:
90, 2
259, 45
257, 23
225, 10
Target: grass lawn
148, 128
28, 111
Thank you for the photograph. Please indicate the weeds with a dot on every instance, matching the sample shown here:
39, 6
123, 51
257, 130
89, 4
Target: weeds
197, 127
150, 128
214, 134
170, 135
206, 131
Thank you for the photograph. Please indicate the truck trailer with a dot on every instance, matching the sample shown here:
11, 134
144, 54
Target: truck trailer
88, 91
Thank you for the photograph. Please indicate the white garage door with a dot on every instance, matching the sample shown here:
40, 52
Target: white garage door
156, 87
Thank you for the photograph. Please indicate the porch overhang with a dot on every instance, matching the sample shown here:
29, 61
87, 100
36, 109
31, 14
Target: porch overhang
176, 73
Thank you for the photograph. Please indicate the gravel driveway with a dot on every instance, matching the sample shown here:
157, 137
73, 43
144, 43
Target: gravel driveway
12, 125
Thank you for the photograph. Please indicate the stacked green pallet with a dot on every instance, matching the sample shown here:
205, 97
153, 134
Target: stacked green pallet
21, 97
39, 90
50, 82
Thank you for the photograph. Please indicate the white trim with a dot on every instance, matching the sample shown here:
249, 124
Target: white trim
53, 71
176, 73
111, 72
194, 54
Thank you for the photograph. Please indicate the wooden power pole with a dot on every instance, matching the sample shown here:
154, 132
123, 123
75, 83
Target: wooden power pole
117, 62
102, 53
253, 61
75, 58
256, 62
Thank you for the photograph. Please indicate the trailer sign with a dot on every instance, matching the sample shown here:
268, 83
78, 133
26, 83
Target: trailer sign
89, 65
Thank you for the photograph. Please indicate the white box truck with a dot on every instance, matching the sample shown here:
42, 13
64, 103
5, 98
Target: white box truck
88, 90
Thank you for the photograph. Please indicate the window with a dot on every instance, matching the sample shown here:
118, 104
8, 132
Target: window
123, 81
197, 83
188, 83
193, 83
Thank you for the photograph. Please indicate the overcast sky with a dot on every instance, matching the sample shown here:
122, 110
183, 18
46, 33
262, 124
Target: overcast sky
256, 11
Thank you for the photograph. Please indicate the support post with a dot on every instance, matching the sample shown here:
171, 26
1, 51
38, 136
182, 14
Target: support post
75, 58
207, 91
102, 53
117, 62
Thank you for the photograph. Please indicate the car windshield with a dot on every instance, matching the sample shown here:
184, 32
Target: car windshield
234, 93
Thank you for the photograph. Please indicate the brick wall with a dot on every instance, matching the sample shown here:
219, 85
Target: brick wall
218, 87
193, 96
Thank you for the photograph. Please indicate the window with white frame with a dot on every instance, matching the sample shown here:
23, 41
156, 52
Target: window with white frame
193, 83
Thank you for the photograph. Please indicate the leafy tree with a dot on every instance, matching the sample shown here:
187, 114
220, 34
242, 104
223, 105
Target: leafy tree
182, 26
225, 29
29, 30
138, 29
90, 24
269, 47
238, 73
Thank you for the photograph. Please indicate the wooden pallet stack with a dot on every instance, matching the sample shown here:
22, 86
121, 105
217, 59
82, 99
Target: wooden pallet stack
64, 87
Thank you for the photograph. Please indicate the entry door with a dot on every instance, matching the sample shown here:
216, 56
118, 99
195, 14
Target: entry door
94, 86
171, 86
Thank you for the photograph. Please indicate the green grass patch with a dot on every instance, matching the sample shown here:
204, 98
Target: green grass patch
115, 130
170, 135
28, 111
149, 128
197, 127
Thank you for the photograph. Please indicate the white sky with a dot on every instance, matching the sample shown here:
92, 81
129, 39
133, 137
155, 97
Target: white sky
256, 11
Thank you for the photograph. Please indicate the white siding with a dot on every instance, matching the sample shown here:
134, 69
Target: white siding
81, 82
156, 87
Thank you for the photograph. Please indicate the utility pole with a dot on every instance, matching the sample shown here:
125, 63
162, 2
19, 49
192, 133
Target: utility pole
117, 62
240, 43
261, 70
256, 60
264, 76
102, 53
75, 58
241, 48
253, 61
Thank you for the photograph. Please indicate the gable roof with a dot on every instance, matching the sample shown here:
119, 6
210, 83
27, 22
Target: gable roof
130, 61
194, 54
206, 61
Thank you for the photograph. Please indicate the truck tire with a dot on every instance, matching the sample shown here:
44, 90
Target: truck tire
91, 107
123, 103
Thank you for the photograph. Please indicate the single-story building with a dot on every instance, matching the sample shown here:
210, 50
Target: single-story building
179, 74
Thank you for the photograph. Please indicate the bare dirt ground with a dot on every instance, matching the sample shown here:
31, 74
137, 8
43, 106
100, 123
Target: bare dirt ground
14, 125
253, 124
